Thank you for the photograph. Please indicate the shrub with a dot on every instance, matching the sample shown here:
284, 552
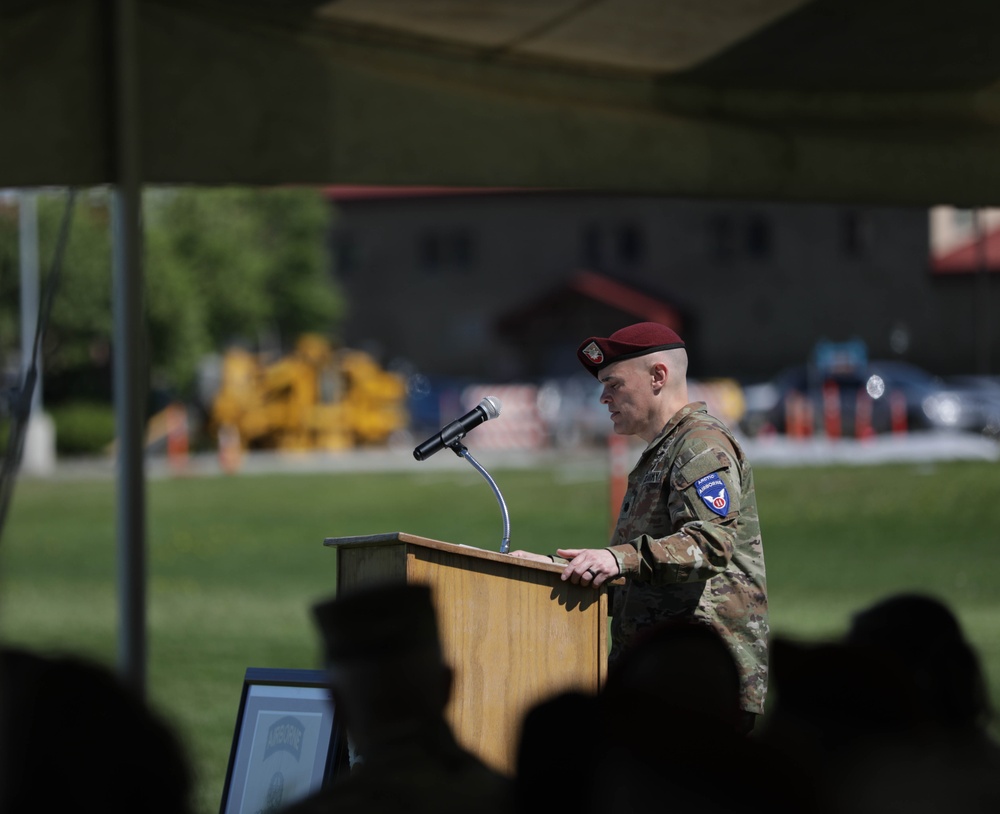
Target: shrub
83, 428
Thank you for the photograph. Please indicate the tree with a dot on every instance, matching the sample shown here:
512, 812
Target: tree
234, 264
221, 265
76, 352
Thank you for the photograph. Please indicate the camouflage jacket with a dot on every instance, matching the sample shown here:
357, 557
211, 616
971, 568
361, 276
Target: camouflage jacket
688, 542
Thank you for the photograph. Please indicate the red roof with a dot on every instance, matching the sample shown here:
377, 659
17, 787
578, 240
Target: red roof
970, 257
625, 298
599, 288
371, 193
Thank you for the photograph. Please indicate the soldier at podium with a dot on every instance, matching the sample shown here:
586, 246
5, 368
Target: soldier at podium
687, 540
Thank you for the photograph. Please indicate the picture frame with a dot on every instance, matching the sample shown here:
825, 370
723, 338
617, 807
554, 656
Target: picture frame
287, 742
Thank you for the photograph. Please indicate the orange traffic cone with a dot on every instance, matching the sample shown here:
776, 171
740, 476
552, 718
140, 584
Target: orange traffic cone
177, 438
897, 411
831, 410
863, 416
230, 452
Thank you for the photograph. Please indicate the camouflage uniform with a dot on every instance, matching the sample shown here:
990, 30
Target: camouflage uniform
690, 550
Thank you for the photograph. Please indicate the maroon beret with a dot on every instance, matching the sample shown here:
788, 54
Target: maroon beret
597, 352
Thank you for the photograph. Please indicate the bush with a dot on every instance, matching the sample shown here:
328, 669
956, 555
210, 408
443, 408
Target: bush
83, 428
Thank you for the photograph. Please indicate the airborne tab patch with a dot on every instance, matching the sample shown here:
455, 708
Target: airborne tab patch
712, 491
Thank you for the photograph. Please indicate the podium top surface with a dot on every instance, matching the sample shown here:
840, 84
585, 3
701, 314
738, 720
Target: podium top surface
396, 537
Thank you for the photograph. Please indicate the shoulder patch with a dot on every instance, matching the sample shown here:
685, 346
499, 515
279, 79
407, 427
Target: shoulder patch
713, 493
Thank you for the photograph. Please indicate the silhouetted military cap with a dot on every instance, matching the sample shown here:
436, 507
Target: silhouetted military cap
377, 622
597, 352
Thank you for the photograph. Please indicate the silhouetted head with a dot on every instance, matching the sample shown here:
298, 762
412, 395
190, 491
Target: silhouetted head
384, 658
682, 667
562, 736
843, 692
73, 736
925, 637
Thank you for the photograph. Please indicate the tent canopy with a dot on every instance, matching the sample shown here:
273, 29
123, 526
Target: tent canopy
866, 101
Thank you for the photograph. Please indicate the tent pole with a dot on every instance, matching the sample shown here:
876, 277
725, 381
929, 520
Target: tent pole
129, 372
982, 291
28, 253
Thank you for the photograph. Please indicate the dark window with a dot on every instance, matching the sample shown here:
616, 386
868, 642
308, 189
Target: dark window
758, 237
429, 253
854, 234
452, 252
463, 251
591, 247
631, 245
346, 254
721, 237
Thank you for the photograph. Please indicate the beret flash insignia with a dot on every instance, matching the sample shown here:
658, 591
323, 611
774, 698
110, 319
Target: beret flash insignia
594, 353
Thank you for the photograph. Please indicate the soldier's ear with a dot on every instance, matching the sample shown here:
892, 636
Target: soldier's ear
658, 373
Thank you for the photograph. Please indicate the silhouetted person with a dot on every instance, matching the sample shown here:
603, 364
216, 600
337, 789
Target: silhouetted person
832, 702
947, 761
925, 638
680, 670
561, 754
667, 733
892, 718
391, 685
74, 738
832, 697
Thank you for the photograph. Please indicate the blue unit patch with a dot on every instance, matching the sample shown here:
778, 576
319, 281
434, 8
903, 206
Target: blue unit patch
712, 491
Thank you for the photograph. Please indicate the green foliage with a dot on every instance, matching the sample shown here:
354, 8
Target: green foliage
83, 428
80, 326
230, 264
221, 265
78, 336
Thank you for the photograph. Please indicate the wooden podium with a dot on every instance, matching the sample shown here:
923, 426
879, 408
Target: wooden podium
513, 631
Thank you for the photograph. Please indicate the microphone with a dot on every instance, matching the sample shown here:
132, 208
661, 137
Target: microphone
488, 408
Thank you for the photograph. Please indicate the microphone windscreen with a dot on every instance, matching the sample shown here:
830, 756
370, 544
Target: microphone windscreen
491, 406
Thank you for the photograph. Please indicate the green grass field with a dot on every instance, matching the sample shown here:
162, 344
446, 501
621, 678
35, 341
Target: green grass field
235, 562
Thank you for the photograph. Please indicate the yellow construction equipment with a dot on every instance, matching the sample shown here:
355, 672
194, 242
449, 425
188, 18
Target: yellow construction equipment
316, 398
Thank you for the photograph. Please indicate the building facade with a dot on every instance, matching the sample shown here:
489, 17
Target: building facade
487, 283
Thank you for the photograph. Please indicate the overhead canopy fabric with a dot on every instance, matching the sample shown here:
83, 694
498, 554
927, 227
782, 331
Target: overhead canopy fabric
867, 101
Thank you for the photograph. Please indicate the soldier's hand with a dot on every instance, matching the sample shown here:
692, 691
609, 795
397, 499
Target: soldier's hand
589, 566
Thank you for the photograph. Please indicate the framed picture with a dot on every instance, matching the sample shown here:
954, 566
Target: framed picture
287, 742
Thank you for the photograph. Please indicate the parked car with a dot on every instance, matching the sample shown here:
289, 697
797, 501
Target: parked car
877, 397
981, 402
